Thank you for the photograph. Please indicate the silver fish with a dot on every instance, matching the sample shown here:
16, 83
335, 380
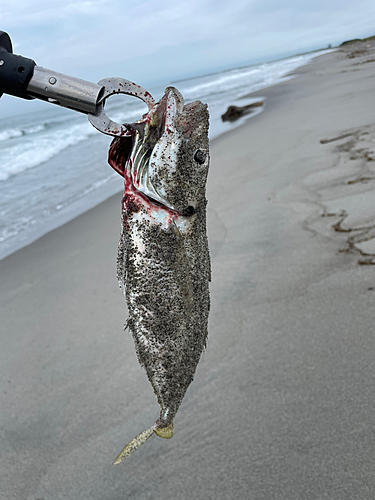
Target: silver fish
163, 258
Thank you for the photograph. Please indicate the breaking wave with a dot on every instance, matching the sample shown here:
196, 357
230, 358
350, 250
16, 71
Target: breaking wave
27, 147
53, 163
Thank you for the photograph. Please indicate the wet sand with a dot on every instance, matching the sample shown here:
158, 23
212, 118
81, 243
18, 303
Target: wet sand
282, 403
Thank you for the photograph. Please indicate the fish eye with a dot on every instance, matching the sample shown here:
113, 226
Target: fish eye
188, 211
200, 156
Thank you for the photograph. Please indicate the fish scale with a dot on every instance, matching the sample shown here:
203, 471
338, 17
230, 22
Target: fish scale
163, 257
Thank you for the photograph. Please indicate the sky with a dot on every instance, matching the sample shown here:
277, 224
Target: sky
158, 41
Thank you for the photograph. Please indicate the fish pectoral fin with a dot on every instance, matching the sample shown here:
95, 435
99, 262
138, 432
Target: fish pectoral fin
134, 444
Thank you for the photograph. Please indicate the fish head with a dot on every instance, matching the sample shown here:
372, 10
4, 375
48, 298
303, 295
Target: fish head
168, 158
178, 165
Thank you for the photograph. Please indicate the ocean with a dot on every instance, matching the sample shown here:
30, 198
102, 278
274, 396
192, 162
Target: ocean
53, 163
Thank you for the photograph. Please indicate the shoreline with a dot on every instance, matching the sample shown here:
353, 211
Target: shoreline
73, 209
284, 388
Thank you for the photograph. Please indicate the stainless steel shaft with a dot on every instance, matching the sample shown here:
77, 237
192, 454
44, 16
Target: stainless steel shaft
65, 90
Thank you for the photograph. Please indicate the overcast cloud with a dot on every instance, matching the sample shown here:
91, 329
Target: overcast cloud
158, 41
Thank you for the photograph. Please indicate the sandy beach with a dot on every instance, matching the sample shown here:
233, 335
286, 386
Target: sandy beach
282, 403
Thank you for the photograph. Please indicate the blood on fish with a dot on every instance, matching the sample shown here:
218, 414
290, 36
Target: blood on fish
163, 258
130, 203
133, 199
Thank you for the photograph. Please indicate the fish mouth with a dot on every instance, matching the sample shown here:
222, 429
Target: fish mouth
130, 155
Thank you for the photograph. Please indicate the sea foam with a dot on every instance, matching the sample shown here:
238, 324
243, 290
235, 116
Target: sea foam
53, 163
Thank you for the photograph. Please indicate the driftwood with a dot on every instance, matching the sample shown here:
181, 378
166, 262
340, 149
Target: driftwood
235, 112
326, 141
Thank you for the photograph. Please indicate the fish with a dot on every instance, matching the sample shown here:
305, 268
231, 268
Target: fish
163, 261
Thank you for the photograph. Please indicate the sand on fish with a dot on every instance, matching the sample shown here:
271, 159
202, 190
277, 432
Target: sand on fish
282, 402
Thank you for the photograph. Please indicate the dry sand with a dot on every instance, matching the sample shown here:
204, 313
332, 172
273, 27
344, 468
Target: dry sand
282, 403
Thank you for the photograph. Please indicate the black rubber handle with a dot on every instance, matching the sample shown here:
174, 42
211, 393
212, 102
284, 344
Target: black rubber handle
15, 71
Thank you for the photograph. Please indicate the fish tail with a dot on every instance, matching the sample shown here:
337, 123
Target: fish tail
134, 444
